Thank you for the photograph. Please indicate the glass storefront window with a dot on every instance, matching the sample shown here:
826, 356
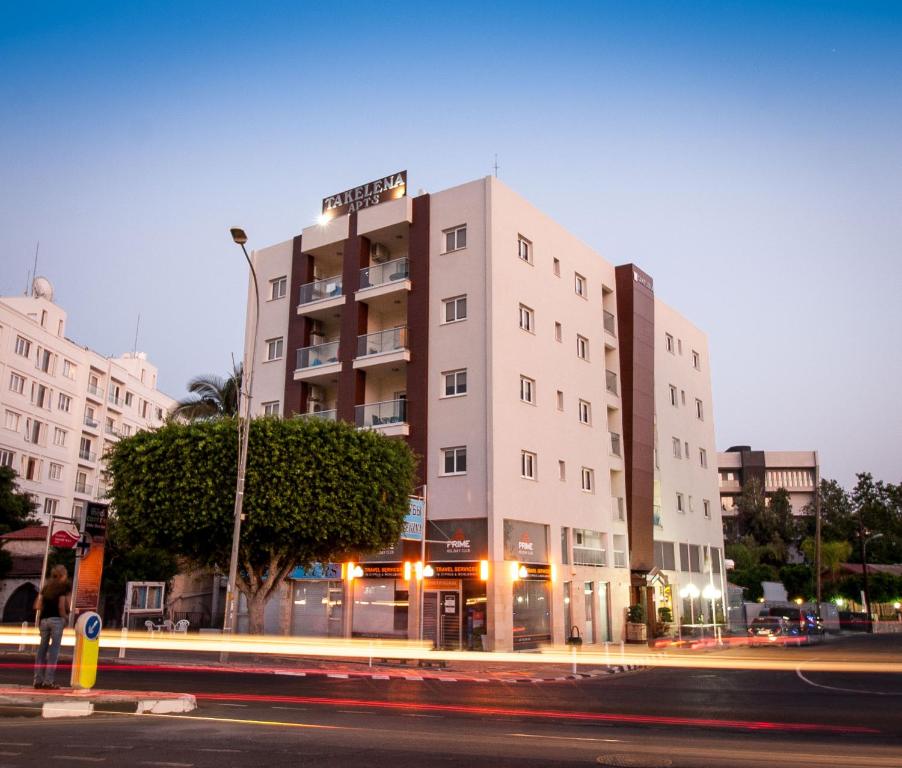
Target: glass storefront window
380, 608
531, 613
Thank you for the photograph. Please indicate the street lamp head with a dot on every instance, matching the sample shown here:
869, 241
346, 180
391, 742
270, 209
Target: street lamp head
238, 235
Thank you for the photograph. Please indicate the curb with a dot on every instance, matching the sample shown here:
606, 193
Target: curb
86, 703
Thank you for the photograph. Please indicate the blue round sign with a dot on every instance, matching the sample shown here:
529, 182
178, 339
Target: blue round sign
92, 627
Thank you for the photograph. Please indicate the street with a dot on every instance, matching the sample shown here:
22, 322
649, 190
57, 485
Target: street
646, 718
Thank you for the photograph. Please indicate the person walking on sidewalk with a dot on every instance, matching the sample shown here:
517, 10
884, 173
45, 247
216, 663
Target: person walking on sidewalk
53, 605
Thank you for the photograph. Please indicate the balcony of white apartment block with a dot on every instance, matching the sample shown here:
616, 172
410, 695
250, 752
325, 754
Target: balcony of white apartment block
383, 355
322, 401
324, 296
319, 362
385, 281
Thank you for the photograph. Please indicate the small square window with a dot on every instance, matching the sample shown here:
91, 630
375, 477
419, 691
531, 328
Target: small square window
580, 286
560, 400
561, 470
455, 382
587, 479
455, 309
677, 448
455, 239
68, 369
23, 346
673, 396
696, 360
278, 287
556, 266
558, 332
528, 390
706, 505
56, 471
528, 465
64, 402
271, 408
524, 249
679, 503
585, 412
454, 460
16, 383
274, 348
703, 458
582, 347
668, 343
527, 318
699, 409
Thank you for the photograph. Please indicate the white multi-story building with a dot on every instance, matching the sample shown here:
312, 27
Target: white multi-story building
527, 372
62, 404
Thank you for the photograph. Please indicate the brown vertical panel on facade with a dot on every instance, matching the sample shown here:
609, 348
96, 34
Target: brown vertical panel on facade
636, 324
351, 383
298, 334
418, 333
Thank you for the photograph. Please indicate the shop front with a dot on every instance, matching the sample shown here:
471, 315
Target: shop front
526, 553
380, 596
316, 600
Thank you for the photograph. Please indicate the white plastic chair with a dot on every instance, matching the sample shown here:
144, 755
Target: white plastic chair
181, 625
151, 627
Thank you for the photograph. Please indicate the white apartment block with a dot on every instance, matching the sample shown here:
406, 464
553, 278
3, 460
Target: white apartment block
62, 404
526, 371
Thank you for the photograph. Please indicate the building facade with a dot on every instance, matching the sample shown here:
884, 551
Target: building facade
528, 373
63, 404
798, 472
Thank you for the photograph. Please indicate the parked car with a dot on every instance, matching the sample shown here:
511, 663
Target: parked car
769, 630
804, 623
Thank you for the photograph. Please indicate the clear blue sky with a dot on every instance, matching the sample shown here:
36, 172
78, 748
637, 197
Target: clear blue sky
747, 155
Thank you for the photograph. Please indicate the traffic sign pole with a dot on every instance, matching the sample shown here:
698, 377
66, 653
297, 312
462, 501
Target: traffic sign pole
87, 649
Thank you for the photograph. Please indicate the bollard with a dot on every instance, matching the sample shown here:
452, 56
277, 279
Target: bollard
123, 636
573, 651
24, 632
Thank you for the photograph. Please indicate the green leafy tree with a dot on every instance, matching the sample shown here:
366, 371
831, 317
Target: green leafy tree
882, 587
751, 579
833, 555
767, 522
837, 520
17, 510
211, 396
877, 506
315, 491
798, 580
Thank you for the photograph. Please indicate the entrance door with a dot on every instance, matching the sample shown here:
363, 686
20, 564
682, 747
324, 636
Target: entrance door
442, 618
430, 616
604, 613
589, 634
334, 609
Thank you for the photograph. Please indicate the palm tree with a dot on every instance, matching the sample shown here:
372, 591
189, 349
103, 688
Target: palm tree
211, 396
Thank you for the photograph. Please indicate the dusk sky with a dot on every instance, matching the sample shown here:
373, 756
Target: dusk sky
747, 155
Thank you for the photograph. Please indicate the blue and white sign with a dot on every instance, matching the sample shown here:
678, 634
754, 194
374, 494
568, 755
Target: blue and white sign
316, 571
92, 627
414, 520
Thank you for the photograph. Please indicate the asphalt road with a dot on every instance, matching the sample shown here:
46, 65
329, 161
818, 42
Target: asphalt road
649, 718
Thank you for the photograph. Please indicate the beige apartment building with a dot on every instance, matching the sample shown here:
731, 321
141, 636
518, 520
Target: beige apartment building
796, 471
533, 377
62, 404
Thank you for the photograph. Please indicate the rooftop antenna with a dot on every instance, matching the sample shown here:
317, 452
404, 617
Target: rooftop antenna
137, 326
496, 166
34, 273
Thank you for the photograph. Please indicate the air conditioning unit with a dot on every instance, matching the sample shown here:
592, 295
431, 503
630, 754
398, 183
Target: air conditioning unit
379, 253
314, 394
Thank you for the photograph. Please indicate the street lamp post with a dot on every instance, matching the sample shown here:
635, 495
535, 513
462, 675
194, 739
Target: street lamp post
230, 623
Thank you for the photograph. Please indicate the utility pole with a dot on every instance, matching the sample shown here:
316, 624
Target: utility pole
864, 573
817, 529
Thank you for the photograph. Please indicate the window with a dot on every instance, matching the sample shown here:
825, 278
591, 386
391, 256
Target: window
579, 285
43, 359
558, 332
84, 449
664, 555
527, 390
454, 461
715, 560
129, 399
680, 346
274, 349
271, 408
680, 504
677, 453
686, 454
278, 287
691, 506
527, 319
59, 436
618, 511
582, 347
12, 420
16, 383
561, 470
126, 430
40, 395
455, 382
6, 458
56, 471
694, 559
34, 431
706, 506
23, 346
68, 369
455, 309
159, 413
585, 412
696, 360
703, 458
589, 547
668, 342
528, 462
673, 396
683, 396
587, 479
560, 400
684, 558
556, 266
455, 239
524, 249
63, 402
619, 550
51, 506
32, 470
699, 409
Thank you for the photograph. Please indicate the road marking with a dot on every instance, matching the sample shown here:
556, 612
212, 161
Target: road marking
296, 709
80, 758
416, 715
220, 704
564, 738
844, 690
15, 744
353, 711
338, 676
239, 721
212, 749
168, 765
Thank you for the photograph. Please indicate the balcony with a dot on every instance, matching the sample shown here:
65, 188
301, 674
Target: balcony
615, 445
384, 279
320, 296
115, 400
317, 362
387, 347
389, 417
656, 516
610, 382
331, 415
95, 393
610, 323
85, 489
86, 455
90, 423
111, 430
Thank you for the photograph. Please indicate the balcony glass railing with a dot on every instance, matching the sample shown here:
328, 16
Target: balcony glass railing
84, 488
321, 354
610, 380
115, 400
89, 422
381, 414
95, 390
111, 430
389, 340
615, 444
610, 323
326, 288
324, 415
87, 455
382, 274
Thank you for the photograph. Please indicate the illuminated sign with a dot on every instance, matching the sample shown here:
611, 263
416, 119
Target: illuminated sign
455, 570
382, 570
372, 193
413, 520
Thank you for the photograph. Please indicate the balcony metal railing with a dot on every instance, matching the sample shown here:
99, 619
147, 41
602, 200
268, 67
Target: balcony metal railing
84, 488
115, 400
610, 323
619, 559
326, 288
321, 354
324, 415
610, 381
382, 274
96, 391
89, 422
389, 340
87, 455
615, 444
381, 414
111, 430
